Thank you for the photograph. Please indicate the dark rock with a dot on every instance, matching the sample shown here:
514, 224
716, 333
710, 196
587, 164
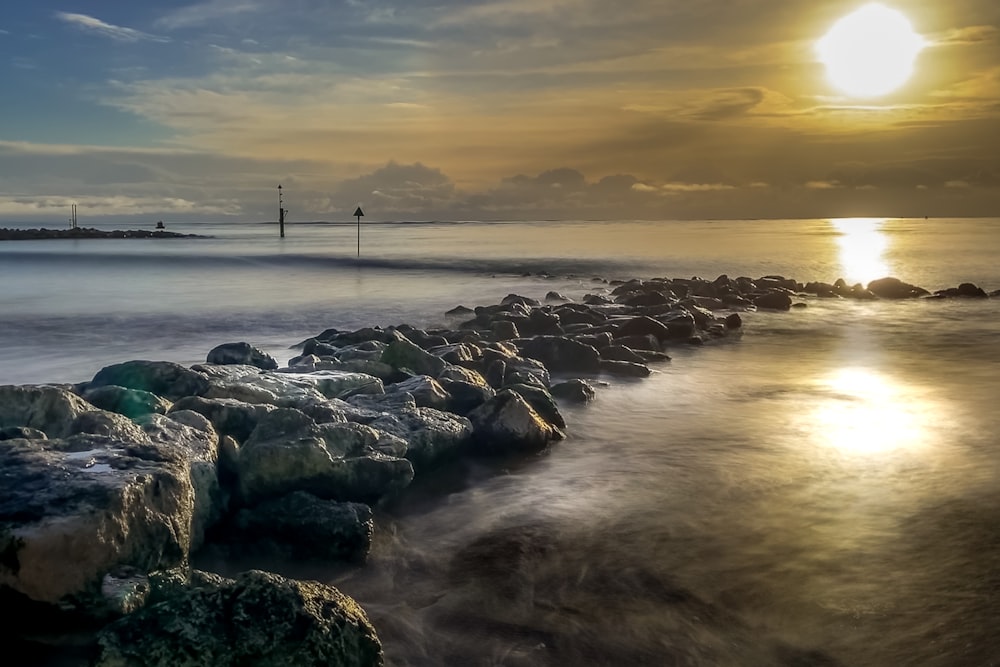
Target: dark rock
21, 433
504, 330
894, 288
241, 353
507, 424
259, 619
624, 368
621, 353
405, 355
229, 416
426, 391
163, 378
541, 401
47, 409
556, 296
643, 326
773, 301
459, 310
734, 321
575, 390
637, 343
561, 355
431, 435
301, 526
968, 290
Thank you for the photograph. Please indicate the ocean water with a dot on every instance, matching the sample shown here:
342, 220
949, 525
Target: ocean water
821, 490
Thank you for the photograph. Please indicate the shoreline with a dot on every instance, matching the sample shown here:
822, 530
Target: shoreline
41, 234
239, 436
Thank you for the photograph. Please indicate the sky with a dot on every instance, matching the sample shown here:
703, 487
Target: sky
485, 109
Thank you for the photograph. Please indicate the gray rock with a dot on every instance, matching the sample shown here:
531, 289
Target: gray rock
404, 355
228, 416
72, 510
561, 355
621, 353
431, 435
541, 402
241, 353
773, 301
47, 409
288, 452
259, 619
624, 368
163, 378
426, 391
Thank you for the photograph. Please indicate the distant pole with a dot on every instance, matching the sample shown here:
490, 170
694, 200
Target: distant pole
281, 213
358, 213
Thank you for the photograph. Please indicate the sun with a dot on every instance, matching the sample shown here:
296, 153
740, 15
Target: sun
870, 52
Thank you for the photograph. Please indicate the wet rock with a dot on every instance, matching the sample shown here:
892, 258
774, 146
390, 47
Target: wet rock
21, 433
894, 288
47, 409
556, 296
259, 619
127, 402
504, 330
624, 368
968, 290
459, 311
241, 353
301, 526
773, 301
228, 416
405, 355
621, 353
426, 391
643, 326
560, 354
734, 321
431, 435
541, 402
507, 424
288, 452
575, 391
163, 378
638, 343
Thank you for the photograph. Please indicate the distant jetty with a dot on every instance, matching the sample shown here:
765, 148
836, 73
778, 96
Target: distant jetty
90, 233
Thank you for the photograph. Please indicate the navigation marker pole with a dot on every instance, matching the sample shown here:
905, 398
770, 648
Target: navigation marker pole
281, 213
358, 213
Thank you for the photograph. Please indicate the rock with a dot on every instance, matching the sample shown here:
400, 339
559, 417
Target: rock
241, 353
624, 368
556, 296
894, 288
456, 353
637, 343
128, 402
964, 290
21, 433
504, 330
463, 397
47, 409
109, 424
575, 391
426, 391
541, 402
301, 526
228, 416
404, 355
225, 372
540, 323
459, 310
259, 619
621, 353
163, 378
773, 301
286, 389
734, 321
72, 510
191, 437
432, 436
508, 424
512, 299
560, 354
288, 452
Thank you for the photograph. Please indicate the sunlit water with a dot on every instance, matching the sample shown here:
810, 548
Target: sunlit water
822, 490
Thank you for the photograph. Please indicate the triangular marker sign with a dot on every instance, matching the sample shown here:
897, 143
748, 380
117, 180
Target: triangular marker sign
359, 213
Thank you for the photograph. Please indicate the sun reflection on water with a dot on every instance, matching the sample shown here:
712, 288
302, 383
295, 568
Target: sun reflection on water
862, 243
865, 412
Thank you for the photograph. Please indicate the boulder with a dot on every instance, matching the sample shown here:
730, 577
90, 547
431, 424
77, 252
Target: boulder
624, 368
163, 378
508, 424
431, 435
289, 452
773, 301
560, 354
72, 510
259, 619
241, 353
404, 355
426, 391
301, 526
621, 353
228, 416
47, 409
129, 402
574, 391
894, 288
541, 402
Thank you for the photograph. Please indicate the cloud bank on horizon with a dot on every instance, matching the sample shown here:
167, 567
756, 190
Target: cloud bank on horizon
485, 109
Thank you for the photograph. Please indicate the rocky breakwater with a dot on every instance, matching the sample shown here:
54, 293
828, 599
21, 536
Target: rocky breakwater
108, 487
89, 233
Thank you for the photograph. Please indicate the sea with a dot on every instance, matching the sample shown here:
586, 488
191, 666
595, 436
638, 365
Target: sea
822, 489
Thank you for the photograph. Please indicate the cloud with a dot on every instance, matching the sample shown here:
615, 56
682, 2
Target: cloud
99, 27
197, 15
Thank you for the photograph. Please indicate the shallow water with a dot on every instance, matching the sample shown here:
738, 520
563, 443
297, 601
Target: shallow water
821, 490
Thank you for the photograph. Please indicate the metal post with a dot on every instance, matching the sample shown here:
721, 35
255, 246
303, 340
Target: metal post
281, 213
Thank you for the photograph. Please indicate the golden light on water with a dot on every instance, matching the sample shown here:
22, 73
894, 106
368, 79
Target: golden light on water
862, 244
865, 412
870, 52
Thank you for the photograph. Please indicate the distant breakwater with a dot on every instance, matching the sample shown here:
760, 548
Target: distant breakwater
90, 233
108, 487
